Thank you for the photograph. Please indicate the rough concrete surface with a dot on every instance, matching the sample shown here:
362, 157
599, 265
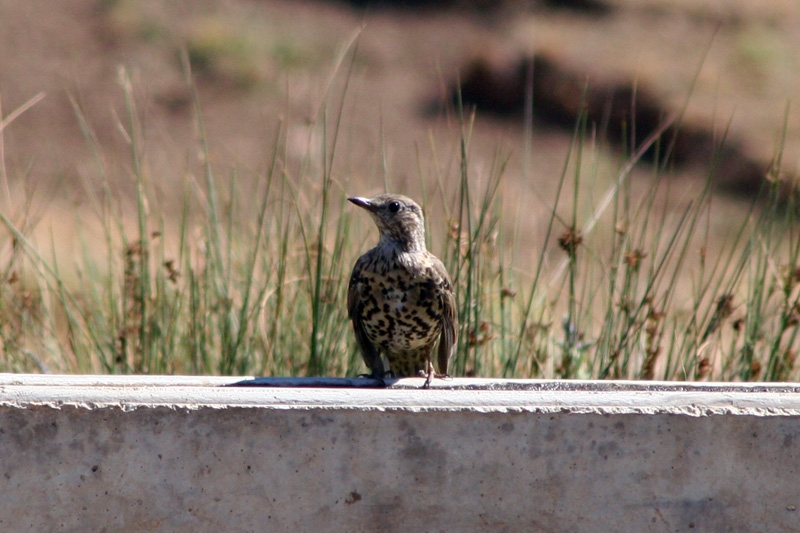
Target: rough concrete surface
190, 454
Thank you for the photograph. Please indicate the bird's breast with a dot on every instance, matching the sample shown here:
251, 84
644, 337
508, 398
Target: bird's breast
402, 309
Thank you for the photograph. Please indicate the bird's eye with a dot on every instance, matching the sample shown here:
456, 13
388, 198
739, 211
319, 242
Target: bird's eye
394, 207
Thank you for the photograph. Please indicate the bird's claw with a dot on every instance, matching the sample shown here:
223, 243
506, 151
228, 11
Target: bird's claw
430, 375
379, 376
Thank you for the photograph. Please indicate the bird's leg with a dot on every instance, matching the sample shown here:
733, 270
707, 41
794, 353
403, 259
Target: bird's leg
378, 373
376, 367
429, 375
378, 378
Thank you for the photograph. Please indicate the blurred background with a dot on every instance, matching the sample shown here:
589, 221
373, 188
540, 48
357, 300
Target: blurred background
724, 70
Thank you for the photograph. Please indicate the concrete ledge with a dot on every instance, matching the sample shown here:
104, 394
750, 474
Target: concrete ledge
166, 453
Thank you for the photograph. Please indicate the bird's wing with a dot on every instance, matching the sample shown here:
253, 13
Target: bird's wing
355, 306
447, 341
354, 302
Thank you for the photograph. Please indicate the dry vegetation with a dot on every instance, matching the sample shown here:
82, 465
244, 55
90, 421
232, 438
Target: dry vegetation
175, 203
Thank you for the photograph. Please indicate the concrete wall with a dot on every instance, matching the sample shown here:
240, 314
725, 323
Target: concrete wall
90, 453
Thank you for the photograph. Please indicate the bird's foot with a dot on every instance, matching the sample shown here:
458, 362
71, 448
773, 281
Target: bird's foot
379, 375
427, 384
429, 375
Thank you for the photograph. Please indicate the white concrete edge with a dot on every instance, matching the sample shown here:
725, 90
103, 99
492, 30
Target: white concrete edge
139, 380
479, 395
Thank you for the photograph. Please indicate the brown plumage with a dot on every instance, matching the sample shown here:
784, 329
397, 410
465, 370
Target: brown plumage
400, 299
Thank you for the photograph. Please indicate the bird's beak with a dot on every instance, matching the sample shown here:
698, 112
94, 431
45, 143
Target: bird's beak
362, 202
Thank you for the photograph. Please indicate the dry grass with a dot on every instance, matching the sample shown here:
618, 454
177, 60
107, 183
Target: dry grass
171, 247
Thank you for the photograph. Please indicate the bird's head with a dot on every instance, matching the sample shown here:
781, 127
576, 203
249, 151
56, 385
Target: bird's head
399, 220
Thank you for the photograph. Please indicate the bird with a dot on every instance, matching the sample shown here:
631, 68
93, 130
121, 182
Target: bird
400, 298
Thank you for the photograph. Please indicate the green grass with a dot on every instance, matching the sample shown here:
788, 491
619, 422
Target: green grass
254, 282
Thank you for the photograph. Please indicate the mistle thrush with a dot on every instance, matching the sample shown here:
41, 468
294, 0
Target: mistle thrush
401, 300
